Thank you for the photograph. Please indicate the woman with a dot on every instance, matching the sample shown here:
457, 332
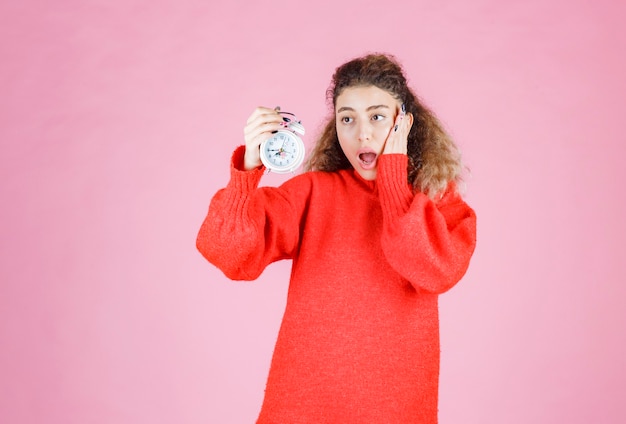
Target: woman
376, 230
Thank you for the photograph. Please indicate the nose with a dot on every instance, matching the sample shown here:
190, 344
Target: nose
365, 131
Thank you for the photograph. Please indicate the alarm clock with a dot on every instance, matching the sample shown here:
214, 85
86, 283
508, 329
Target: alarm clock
284, 151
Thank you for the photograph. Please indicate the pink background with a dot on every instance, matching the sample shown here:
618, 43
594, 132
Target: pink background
117, 121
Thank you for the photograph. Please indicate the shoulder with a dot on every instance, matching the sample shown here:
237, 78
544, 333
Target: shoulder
314, 178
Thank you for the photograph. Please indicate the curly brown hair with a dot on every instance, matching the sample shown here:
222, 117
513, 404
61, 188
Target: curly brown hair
434, 159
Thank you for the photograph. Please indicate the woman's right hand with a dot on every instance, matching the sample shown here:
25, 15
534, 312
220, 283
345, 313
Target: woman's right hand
259, 127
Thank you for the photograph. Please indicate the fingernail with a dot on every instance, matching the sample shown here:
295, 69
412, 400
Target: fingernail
395, 128
403, 108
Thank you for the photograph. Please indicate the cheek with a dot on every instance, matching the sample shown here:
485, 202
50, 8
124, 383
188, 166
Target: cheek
344, 135
383, 131
345, 148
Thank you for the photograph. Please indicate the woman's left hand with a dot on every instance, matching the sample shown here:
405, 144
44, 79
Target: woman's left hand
398, 136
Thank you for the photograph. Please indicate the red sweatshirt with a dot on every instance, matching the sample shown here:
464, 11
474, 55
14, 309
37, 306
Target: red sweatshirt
359, 340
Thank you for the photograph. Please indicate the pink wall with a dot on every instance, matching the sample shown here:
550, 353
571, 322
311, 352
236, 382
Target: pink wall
117, 119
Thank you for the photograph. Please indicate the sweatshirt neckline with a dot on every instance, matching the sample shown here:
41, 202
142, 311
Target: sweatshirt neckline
369, 185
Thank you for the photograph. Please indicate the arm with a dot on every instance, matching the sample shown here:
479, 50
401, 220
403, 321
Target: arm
247, 227
429, 244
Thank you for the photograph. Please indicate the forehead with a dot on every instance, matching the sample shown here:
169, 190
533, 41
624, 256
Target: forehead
362, 97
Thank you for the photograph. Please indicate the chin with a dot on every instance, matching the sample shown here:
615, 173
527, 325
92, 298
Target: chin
369, 175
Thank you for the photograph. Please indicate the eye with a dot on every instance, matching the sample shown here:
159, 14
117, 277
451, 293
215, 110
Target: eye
378, 117
346, 119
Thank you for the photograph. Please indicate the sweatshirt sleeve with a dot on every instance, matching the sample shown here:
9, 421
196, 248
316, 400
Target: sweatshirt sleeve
428, 243
247, 227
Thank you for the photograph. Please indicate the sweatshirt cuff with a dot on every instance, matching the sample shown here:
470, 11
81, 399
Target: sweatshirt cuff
240, 179
396, 194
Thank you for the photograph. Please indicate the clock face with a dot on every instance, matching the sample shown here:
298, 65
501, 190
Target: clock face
283, 152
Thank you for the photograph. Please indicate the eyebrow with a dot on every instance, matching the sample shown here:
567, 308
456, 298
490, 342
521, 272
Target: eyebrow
348, 108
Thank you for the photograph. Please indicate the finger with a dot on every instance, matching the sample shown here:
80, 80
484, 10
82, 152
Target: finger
397, 139
261, 111
399, 117
267, 120
255, 140
259, 127
408, 122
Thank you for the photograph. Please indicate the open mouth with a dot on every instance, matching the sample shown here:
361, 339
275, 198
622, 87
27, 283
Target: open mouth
367, 159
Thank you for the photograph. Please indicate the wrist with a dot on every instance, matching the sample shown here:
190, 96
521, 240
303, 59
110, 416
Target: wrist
251, 163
